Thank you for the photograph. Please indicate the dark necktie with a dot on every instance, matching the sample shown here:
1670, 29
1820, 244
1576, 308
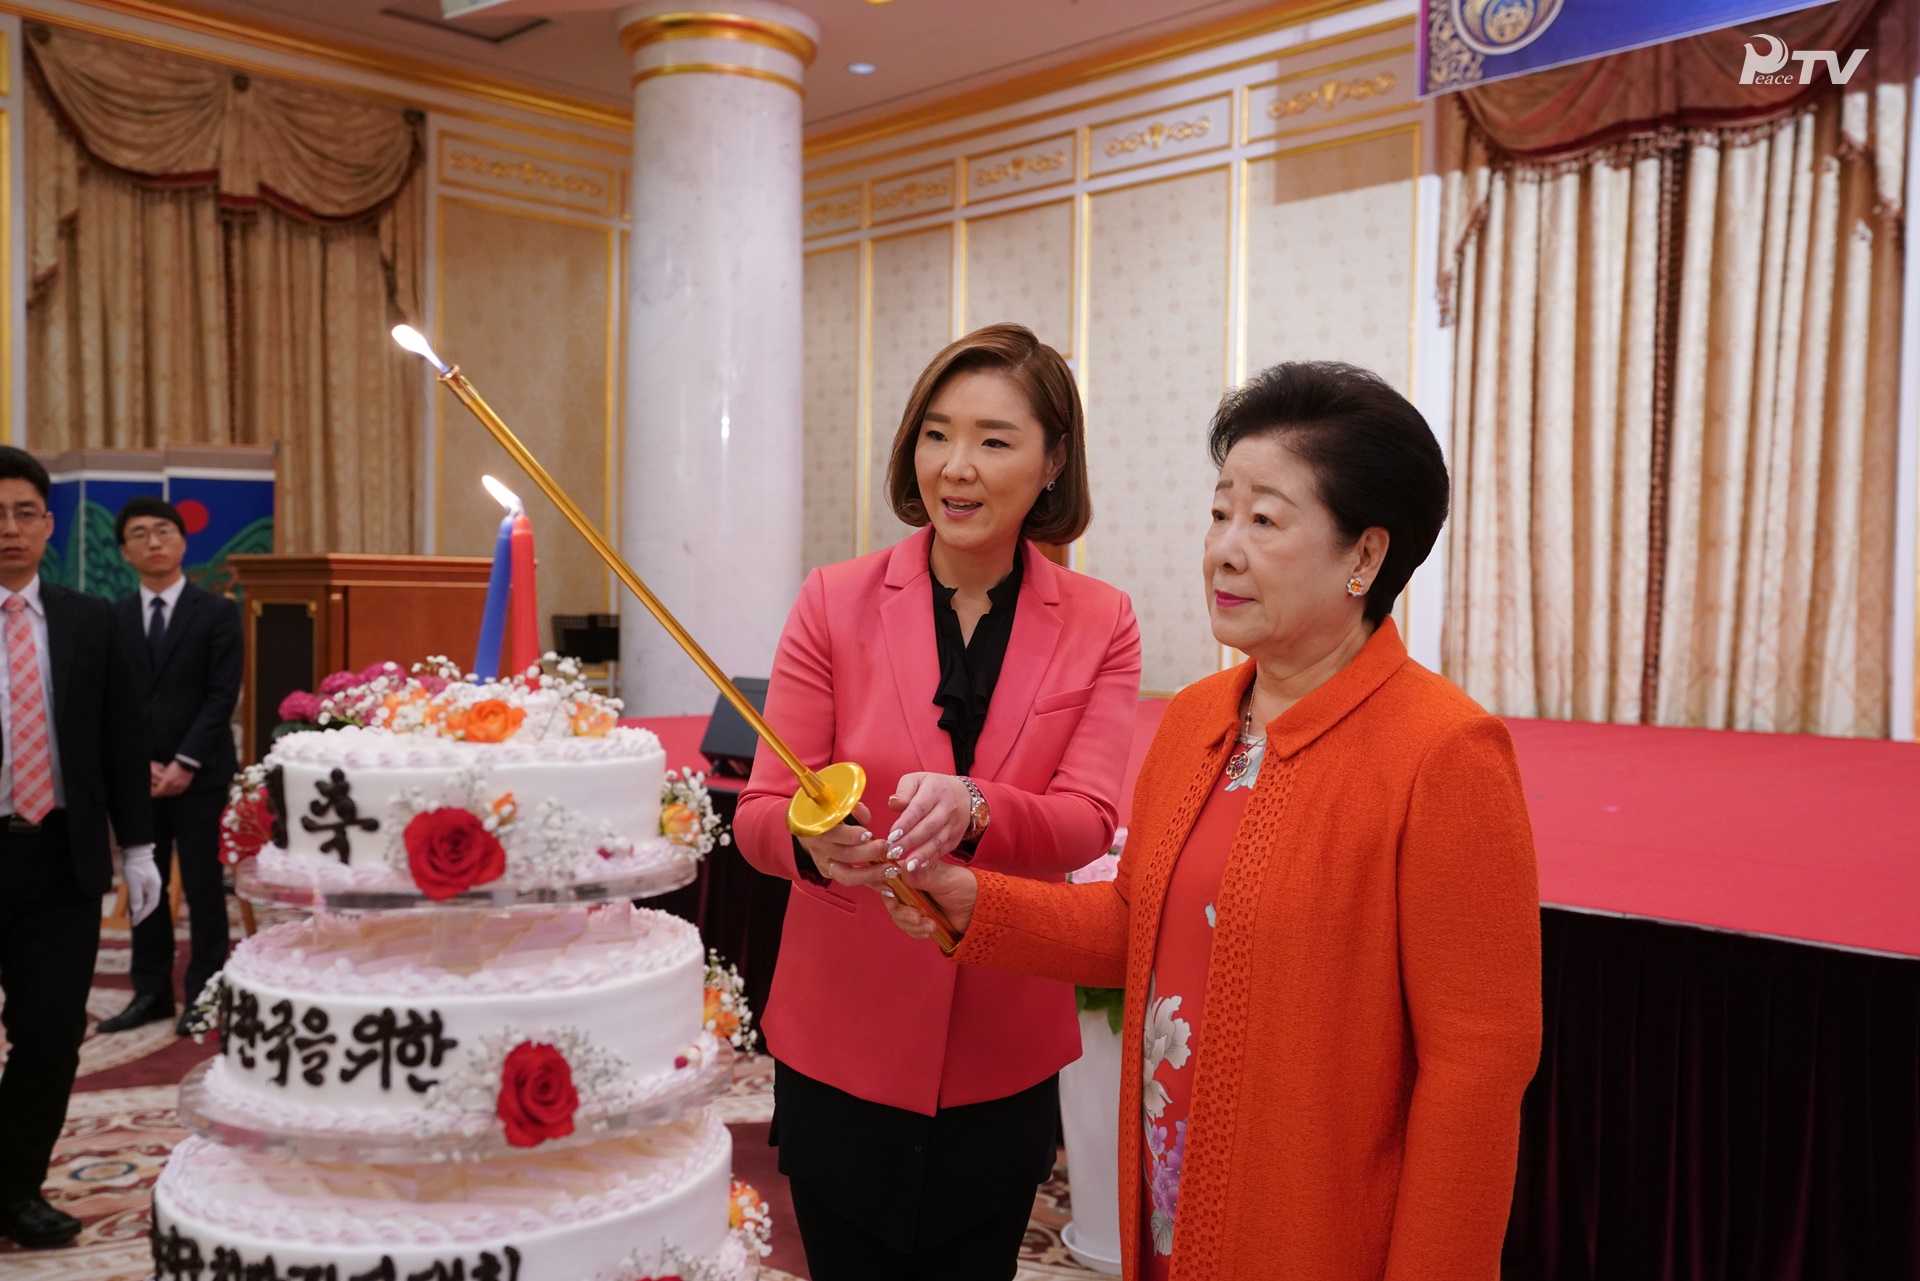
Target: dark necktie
156, 628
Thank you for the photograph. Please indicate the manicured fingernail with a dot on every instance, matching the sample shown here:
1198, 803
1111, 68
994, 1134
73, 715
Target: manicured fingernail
890, 894
895, 834
914, 866
894, 851
891, 872
866, 836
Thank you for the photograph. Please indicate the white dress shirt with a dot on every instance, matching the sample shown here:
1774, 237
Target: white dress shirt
37, 614
168, 599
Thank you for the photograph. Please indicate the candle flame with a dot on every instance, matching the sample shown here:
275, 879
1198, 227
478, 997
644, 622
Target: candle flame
501, 494
416, 342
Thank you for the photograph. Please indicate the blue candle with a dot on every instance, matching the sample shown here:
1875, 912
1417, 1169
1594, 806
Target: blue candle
493, 623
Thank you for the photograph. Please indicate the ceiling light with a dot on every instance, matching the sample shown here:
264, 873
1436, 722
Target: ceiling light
862, 68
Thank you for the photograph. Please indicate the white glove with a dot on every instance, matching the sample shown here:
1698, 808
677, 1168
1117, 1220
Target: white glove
144, 890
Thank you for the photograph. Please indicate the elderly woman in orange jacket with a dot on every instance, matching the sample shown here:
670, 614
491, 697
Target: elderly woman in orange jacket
1327, 919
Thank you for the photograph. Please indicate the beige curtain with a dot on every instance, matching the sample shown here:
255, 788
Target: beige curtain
1553, 423
174, 306
1776, 610
1674, 430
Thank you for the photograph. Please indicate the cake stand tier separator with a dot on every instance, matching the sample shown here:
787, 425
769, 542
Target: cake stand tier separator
251, 886
232, 1125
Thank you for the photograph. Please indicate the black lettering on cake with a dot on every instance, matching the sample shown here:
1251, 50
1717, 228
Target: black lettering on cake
314, 1047
336, 798
418, 1042
277, 804
277, 1035
240, 1025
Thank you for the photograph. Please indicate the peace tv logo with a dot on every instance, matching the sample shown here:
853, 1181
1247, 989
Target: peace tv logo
1502, 26
1766, 68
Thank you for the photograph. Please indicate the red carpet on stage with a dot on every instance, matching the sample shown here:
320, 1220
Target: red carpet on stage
1783, 835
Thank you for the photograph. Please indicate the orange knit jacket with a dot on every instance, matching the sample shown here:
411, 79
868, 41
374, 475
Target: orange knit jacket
1373, 998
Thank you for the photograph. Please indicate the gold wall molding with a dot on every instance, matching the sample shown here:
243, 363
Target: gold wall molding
338, 54
1317, 97
718, 26
477, 164
1182, 128
1031, 165
1083, 71
908, 195
827, 212
1105, 99
1155, 135
715, 69
1331, 93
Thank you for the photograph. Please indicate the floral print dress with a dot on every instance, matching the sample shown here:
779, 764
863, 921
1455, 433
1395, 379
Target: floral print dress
1176, 1010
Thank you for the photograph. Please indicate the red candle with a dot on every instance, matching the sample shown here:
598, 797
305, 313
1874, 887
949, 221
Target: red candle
523, 601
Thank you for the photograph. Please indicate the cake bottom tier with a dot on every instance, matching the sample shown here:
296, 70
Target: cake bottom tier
645, 1205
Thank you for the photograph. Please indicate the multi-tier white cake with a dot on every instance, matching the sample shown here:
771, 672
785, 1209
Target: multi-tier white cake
479, 1084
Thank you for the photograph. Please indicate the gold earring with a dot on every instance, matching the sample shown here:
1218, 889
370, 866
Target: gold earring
1355, 587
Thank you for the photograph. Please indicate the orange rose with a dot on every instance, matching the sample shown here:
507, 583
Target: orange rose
743, 1200
491, 720
591, 722
679, 824
723, 1023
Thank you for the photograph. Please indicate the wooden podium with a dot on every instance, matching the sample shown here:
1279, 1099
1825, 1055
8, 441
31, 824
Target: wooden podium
307, 616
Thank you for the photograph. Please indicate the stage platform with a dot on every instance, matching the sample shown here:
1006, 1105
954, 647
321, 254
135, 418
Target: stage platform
1729, 1081
1786, 836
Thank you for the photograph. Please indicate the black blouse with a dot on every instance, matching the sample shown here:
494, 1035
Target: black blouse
969, 669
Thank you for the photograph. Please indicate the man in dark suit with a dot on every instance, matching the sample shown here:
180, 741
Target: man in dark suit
186, 650
75, 756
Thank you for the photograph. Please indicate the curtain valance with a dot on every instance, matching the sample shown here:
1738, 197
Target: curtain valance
173, 121
1682, 84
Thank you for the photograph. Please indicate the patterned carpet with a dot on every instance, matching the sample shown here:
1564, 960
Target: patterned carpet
121, 1125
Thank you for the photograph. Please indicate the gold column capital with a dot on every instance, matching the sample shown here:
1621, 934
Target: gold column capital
695, 25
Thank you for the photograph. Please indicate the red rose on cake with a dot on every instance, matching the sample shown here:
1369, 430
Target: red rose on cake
537, 1098
449, 852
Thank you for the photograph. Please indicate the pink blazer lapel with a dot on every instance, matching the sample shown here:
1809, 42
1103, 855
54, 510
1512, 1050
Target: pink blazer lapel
1036, 631
906, 619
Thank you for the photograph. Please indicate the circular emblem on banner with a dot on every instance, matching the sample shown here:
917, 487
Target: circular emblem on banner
1502, 26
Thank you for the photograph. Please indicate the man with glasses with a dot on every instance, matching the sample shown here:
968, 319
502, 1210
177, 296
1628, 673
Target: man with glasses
186, 648
73, 755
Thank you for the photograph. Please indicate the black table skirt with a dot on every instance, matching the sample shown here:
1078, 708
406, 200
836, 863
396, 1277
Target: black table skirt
1711, 1107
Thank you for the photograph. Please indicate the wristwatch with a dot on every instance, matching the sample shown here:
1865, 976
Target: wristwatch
980, 815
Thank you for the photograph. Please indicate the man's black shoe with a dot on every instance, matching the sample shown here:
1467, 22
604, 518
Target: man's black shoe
37, 1225
144, 1008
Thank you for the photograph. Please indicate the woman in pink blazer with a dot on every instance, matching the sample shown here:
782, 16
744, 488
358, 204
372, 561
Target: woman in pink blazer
990, 695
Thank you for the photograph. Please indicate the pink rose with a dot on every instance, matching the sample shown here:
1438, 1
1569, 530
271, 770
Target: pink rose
431, 683
300, 706
340, 683
378, 670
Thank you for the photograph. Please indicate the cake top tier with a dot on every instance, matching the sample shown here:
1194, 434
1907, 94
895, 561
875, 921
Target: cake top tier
436, 701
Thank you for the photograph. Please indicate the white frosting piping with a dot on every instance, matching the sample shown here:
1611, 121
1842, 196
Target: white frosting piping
226, 1188
357, 747
616, 946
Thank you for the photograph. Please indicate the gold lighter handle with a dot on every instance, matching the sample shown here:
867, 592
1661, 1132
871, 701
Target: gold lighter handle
833, 791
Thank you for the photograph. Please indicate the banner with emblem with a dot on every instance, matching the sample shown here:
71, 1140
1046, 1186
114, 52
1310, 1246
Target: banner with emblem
1464, 43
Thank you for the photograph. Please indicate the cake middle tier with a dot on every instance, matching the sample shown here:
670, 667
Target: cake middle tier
437, 1023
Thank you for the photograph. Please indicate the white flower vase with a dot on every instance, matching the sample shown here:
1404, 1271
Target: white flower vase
1090, 1113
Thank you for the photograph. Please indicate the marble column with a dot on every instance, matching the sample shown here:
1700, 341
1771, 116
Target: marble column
710, 509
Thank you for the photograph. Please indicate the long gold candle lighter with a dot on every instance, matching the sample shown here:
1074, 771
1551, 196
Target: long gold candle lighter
826, 798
